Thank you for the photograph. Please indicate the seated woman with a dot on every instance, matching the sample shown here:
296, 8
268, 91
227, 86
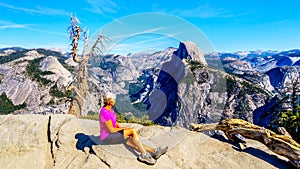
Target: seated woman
112, 133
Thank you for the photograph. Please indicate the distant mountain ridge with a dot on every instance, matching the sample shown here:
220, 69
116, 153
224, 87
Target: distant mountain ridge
258, 59
249, 77
12, 48
264, 61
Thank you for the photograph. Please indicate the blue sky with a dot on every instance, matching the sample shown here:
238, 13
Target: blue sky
229, 25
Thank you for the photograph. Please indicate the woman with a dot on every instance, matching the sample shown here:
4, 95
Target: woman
112, 133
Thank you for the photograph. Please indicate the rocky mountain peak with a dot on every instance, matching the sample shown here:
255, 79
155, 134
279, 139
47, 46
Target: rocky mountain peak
189, 50
60, 74
6, 52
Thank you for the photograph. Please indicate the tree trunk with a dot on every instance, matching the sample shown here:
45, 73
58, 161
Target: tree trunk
77, 104
280, 144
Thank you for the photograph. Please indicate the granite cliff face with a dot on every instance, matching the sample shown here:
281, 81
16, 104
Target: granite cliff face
180, 95
23, 80
280, 77
61, 76
63, 141
187, 90
189, 50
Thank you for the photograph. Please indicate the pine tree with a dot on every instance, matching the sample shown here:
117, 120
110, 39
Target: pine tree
289, 117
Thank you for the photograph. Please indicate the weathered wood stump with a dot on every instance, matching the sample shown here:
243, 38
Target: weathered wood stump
281, 144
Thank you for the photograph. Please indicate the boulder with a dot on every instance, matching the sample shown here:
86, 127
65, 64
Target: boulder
22, 139
45, 141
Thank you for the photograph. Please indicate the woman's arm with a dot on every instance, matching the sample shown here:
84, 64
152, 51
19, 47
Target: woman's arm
111, 128
118, 126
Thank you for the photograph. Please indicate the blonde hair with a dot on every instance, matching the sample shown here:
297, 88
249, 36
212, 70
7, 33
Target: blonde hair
109, 97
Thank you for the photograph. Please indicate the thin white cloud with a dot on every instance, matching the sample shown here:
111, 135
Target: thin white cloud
48, 32
140, 46
157, 39
13, 26
38, 10
274, 23
203, 11
124, 49
51, 11
155, 29
3, 22
118, 37
102, 6
152, 30
119, 47
10, 25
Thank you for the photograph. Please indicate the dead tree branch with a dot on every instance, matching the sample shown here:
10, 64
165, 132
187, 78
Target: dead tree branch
280, 144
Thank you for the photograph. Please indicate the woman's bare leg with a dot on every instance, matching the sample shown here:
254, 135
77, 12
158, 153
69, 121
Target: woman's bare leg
147, 148
135, 141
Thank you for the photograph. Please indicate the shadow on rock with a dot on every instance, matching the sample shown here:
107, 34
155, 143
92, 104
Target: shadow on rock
272, 159
222, 138
88, 141
269, 158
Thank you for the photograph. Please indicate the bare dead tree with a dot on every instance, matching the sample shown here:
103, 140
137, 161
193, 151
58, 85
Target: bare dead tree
79, 85
282, 144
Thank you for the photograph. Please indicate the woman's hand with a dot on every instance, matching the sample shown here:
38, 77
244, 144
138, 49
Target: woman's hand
122, 128
119, 126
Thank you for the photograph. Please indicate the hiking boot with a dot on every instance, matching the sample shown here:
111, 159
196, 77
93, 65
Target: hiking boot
159, 151
146, 158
